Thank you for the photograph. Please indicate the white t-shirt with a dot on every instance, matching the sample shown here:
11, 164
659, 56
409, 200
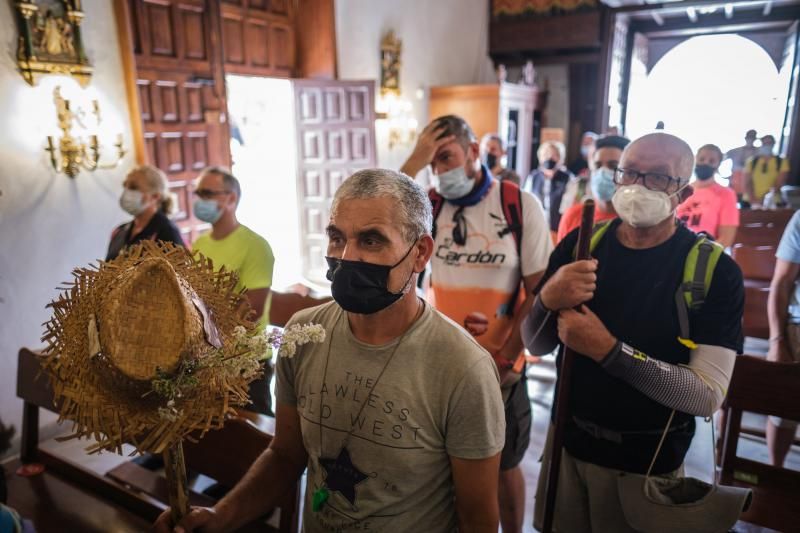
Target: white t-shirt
475, 282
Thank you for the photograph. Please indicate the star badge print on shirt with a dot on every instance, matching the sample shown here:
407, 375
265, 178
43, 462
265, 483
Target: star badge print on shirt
342, 476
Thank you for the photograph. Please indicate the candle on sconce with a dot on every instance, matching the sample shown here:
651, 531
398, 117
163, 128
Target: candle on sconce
119, 139
93, 140
50, 143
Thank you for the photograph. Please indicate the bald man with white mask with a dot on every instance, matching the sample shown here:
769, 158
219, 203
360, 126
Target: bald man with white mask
636, 373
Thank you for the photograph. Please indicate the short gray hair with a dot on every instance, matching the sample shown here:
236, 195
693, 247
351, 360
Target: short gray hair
413, 207
228, 180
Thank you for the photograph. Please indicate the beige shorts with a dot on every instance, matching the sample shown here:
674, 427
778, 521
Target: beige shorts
793, 340
587, 498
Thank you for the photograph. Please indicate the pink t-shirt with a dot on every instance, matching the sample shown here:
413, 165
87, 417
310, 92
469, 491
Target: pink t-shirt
709, 208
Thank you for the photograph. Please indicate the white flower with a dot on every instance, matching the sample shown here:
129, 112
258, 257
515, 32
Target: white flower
298, 334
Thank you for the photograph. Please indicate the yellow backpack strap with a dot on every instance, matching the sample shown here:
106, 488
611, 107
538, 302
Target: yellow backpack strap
597, 235
698, 271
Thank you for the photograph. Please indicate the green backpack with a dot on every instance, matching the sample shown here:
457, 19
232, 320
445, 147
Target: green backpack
698, 271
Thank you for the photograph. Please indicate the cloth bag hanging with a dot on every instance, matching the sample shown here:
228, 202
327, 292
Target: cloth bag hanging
666, 504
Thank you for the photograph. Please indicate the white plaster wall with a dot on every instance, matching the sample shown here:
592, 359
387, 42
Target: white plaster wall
50, 224
444, 43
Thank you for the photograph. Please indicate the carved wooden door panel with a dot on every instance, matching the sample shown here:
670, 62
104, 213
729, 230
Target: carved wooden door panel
181, 92
258, 37
335, 137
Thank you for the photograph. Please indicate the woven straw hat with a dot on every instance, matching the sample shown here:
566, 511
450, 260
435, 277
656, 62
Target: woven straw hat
143, 350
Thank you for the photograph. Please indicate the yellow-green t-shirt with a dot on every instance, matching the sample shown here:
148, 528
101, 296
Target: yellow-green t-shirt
765, 172
248, 254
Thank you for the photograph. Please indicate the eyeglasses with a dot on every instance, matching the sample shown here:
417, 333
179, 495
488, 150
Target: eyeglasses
460, 228
651, 180
207, 194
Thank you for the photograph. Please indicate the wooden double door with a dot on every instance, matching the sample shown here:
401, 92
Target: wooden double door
177, 56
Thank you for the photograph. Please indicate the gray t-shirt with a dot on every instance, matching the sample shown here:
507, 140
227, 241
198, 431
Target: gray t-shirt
439, 396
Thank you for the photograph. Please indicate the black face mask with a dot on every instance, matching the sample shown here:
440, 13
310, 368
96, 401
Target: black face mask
704, 172
362, 288
491, 161
549, 164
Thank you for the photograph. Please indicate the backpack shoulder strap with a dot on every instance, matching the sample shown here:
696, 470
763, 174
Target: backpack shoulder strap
437, 201
511, 200
698, 271
598, 231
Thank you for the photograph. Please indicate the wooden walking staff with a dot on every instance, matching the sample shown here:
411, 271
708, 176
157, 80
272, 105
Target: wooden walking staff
177, 484
564, 381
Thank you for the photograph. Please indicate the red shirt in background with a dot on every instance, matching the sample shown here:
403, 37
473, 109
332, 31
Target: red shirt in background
571, 219
708, 208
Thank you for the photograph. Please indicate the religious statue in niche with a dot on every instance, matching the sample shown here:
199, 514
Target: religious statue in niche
390, 63
50, 39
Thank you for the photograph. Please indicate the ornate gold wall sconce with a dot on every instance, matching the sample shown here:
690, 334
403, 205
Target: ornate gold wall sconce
72, 154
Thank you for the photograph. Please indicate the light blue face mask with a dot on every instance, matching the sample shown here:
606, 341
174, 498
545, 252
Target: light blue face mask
454, 184
602, 183
207, 210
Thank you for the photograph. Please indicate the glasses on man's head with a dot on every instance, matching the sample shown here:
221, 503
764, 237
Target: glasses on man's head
460, 227
207, 194
651, 180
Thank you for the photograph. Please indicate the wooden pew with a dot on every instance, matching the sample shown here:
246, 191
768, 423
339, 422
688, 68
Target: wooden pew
757, 264
771, 389
762, 227
140, 490
286, 304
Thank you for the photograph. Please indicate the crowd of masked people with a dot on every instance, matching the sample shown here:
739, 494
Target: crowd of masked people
414, 413
757, 177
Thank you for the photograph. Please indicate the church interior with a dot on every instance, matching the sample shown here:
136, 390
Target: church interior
133, 122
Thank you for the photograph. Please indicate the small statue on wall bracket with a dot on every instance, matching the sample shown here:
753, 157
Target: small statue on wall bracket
50, 39
502, 73
391, 47
528, 74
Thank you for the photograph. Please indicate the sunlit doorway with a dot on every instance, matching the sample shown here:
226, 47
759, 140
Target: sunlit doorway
709, 89
263, 149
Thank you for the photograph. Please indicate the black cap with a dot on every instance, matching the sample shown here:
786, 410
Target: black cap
611, 141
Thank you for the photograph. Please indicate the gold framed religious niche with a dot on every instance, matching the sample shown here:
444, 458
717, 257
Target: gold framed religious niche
50, 39
391, 47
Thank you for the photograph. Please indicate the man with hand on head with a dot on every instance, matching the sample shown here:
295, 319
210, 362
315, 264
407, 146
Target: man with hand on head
239, 249
397, 415
491, 243
646, 364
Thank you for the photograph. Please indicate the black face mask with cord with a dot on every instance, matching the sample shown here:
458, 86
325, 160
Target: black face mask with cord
362, 288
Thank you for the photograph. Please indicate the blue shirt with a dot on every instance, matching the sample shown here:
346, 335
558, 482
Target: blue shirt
789, 250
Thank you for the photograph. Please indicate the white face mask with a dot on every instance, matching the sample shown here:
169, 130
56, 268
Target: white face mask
642, 208
454, 184
132, 201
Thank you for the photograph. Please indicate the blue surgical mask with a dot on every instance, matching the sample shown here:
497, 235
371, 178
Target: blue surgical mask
207, 210
585, 150
602, 183
454, 184
765, 149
